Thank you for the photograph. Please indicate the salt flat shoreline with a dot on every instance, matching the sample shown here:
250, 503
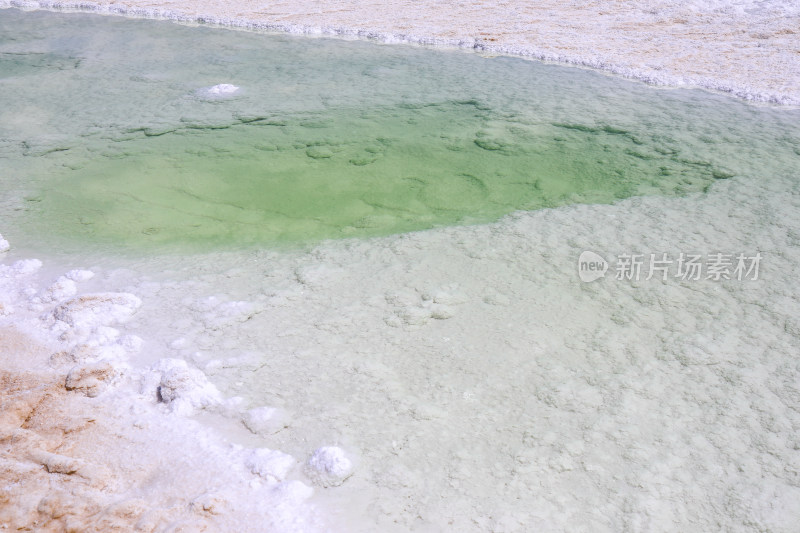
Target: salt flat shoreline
746, 50
687, 416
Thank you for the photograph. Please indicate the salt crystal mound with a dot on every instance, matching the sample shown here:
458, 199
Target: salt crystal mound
85, 410
222, 90
265, 420
182, 388
329, 466
272, 465
695, 43
412, 139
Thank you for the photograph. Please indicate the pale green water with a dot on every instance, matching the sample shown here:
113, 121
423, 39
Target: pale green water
107, 142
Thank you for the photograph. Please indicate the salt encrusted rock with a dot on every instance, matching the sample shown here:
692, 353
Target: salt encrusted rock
329, 466
211, 503
272, 465
265, 420
61, 289
79, 275
55, 463
23, 267
91, 379
183, 388
90, 310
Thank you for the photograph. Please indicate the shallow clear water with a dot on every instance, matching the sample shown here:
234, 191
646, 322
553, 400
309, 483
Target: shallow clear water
108, 141
530, 400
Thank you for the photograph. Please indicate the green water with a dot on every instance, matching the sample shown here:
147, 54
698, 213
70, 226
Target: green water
108, 143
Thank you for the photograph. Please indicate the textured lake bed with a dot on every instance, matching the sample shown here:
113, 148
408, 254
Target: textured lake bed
235, 269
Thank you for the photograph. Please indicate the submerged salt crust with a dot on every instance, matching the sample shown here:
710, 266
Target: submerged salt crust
326, 139
458, 378
745, 47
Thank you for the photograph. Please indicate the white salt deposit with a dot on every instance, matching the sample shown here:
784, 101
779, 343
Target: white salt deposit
484, 386
329, 466
223, 90
541, 402
182, 388
265, 420
271, 465
144, 468
748, 48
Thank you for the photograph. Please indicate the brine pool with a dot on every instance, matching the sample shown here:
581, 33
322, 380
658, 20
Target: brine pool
382, 241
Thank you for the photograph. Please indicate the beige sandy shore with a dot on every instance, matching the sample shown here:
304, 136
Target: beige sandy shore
747, 48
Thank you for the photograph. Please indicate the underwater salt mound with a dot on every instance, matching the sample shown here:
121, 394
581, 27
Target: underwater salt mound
222, 90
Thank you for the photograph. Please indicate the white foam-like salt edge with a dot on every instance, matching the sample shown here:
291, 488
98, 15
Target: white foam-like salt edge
59, 319
647, 70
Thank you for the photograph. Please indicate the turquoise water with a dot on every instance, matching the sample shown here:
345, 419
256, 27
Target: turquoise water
109, 142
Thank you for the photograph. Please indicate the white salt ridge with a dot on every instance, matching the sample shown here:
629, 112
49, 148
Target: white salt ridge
695, 44
98, 309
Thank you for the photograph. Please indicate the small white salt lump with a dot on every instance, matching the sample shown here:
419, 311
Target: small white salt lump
271, 465
4, 246
221, 90
183, 388
265, 420
293, 491
329, 466
79, 275
61, 289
